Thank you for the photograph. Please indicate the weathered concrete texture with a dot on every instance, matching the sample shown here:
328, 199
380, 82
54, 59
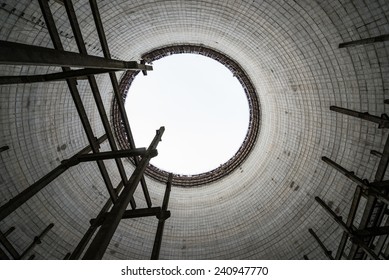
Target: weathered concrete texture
263, 209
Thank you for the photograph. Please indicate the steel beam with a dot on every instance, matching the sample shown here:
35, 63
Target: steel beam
359, 242
371, 203
337, 218
4, 148
116, 154
37, 240
383, 164
9, 231
25, 195
381, 185
372, 231
386, 253
349, 174
376, 153
349, 222
354, 238
366, 216
381, 241
129, 214
95, 90
371, 40
138, 213
363, 183
60, 76
321, 244
115, 85
101, 241
47, 15
383, 121
22, 54
161, 220
107, 155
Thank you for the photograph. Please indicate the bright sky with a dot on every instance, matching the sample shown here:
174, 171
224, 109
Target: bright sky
202, 106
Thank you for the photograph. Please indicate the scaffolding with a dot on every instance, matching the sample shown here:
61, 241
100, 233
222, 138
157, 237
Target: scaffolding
102, 227
369, 240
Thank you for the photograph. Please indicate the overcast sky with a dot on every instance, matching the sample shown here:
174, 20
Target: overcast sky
202, 106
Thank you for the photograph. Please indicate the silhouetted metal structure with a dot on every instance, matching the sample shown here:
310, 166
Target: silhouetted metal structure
369, 240
116, 207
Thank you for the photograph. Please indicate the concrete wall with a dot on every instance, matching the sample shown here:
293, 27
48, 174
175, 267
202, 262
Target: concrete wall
262, 210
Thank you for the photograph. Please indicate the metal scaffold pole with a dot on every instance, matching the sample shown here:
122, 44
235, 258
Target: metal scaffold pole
101, 241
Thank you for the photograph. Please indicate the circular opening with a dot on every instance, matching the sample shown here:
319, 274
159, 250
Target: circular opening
202, 106
167, 104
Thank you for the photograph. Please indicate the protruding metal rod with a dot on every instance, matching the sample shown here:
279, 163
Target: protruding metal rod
8, 246
321, 244
383, 164
116, 154
369, 208
4, 148
364, 247
108, 155
383, 121
95, 90
54, 35
135, 213
381, 185
25, 195
354, 238
118, 96
337, 218
37, 240
345, 172
61, 76
386, 253
363, 183
376, 153
101, 241
371, 40
371, 205
20, 54
349, 222
373, 231
381, 240
9, 231
161, 220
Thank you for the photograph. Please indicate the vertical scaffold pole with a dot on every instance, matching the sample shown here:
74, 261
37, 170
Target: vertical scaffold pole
321, 244
115, 86
101, 241
161, 220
